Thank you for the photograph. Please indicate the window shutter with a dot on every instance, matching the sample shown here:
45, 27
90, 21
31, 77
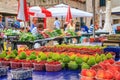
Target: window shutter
102, 3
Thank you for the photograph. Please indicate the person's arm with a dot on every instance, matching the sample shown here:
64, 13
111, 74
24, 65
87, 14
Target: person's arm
67, 27
34, 31
54, 24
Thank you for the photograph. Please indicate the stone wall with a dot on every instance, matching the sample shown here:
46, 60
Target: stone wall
8, 6
89, 8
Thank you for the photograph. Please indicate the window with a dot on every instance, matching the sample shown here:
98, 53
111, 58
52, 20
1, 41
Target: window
102, 3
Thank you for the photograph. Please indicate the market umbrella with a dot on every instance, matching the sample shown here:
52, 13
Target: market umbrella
61, 11
22, 11
69, 15
39, 12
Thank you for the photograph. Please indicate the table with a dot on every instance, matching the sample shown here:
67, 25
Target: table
99, 33
43, 41
61, 75
111, 43
15, 43
71, 37
96, 33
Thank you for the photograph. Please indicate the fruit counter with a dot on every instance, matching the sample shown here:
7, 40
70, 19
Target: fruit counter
61, 59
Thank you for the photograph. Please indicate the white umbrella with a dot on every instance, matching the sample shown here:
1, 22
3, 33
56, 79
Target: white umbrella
61, 11
39, 12
22, 11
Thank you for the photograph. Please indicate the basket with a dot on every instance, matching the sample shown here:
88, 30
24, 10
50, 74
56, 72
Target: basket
26, 65
39, 66
53, 67
5, 63
15, 65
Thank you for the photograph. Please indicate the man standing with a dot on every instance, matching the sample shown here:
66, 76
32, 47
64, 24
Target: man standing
57, 23
1, 25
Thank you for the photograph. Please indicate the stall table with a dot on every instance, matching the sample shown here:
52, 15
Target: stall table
15, 43
71, 37
111, 43
43, 75
99, 33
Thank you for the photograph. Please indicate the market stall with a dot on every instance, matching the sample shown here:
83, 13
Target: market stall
55, 60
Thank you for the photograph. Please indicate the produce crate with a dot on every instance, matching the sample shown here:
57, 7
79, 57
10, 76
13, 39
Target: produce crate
27, 65
53, 67
5, 63
21, 74
113, 37
3, 71
39, 66
15, 65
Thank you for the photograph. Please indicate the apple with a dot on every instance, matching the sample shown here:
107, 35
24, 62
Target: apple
91, 73
117, 76
96, 67
100, 74
111, 61
83, 72
103, 65
108, 75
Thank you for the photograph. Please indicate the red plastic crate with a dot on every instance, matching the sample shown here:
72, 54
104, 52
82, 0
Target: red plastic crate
15, 65
5, 63
53, 66
39, 66
26, 65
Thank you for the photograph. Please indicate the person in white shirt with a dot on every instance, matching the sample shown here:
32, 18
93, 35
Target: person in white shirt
57, 23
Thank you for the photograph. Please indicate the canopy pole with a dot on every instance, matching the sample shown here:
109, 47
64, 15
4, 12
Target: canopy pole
93, 4
25, 26
62, 22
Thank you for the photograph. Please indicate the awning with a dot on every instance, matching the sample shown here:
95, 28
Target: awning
60, 10
116, 10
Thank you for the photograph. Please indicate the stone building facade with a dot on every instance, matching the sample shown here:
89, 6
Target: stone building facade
8, 9
89, 8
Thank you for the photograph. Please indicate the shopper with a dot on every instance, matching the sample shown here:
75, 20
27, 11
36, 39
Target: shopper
84, 28
34, 22
38, 29
1, 24
71, 26
56, 23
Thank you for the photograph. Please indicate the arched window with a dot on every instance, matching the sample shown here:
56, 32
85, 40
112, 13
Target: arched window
102, 3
